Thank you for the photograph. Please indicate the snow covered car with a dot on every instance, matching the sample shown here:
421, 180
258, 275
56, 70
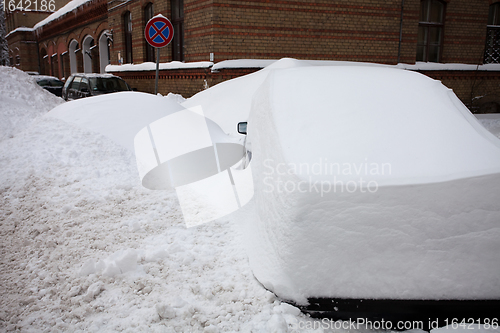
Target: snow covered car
376, 196
50, 83
86, 85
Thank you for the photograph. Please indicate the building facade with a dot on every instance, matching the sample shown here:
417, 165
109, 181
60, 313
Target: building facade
98, 33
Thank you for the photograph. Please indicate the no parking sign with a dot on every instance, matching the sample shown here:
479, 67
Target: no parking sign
159, 31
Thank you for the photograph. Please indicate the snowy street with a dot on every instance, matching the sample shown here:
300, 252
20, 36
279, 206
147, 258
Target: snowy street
86, 248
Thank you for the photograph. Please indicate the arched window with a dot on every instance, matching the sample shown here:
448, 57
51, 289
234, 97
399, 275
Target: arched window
54, 65
430, 30
492, 49
104, 50
88, 45
127, 37
73, 48
178, 23
44, 62
149, 50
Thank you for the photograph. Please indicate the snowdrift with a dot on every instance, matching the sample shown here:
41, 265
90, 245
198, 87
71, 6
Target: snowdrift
118, 116
371, 182
21, 101
174, 147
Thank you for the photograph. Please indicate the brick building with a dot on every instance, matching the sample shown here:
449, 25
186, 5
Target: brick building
19, 19
98, 32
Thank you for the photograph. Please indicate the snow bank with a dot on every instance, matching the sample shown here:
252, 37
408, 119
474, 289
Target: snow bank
85, 247
174, 148
118, 116
21, 101
371, 182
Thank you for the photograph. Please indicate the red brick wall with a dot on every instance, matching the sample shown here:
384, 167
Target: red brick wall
23, 44
465, 31
115, 19
360, 30
356, 30
198, 29
186, 82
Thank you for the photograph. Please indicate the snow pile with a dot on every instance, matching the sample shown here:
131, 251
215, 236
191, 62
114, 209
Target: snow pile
21, 101
118, 116
174, 148
85, 247
382, 185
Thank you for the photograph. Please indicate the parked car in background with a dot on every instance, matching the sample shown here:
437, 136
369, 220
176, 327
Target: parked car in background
86, 85
50, 83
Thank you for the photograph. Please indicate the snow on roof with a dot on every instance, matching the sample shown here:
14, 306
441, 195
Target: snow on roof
70, 6
150, 66
18, 30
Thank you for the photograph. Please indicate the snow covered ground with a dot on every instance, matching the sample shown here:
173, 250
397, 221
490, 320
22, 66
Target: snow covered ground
86, 248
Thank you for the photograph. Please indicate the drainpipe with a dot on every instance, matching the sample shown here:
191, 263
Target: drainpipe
401, 30
38, 56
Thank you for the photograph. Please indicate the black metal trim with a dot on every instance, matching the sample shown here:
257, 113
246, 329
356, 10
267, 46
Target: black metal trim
432, 313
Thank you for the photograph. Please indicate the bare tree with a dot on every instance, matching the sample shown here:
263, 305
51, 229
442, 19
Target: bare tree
4, 48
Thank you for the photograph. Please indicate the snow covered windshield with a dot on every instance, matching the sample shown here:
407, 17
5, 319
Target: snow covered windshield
108, 84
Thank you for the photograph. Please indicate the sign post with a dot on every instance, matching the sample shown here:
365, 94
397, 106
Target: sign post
159, 33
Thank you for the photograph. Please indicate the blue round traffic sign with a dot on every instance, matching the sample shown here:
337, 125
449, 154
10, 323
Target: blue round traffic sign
159, 31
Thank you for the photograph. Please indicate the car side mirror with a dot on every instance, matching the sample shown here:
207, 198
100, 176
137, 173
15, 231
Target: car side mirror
85, 90
242, 128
